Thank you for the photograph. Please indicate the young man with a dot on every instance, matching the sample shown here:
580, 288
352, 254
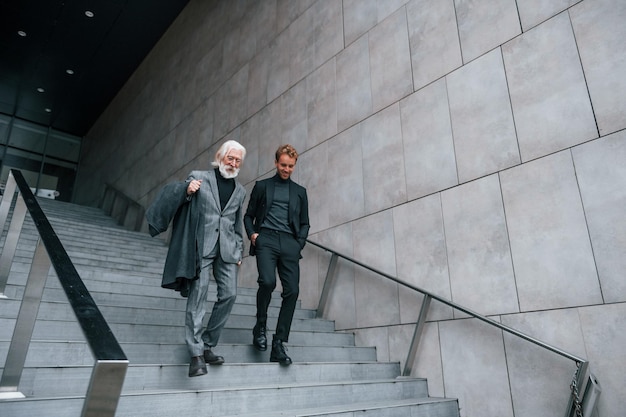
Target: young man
277, 223
207, 235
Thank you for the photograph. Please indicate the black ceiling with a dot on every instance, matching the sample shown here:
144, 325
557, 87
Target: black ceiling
102, 51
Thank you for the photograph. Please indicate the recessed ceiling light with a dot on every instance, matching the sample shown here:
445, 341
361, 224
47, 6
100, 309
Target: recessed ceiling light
40, 89
48, 110
21, 33
70, 71
89, 13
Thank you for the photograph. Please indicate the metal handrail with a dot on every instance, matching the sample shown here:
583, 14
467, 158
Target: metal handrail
111, 364
584, 387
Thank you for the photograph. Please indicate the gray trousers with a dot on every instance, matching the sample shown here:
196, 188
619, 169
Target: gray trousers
225, 275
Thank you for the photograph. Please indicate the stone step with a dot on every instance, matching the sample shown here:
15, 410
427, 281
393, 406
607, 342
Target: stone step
234, 401
69, 353
41, 381
72, 229
139, 315
153, 297
109, 256
418, 407
302, 332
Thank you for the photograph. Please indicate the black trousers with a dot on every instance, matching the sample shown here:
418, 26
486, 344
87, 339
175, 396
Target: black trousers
277, 251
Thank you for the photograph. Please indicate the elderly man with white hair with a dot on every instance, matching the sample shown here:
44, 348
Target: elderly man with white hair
207, 235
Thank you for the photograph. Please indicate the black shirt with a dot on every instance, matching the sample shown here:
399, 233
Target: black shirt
278, 215
225, 186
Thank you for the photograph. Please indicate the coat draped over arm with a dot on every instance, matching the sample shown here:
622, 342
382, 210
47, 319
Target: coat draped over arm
183, 261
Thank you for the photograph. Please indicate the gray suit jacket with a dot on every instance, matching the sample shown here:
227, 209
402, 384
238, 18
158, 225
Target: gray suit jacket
190, 226
215, 223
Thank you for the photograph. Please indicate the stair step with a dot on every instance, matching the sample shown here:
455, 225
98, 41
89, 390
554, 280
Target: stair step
419, 407
227, 401
41, 381
168, 300
139, 315
65, 353
330, 376
302, 332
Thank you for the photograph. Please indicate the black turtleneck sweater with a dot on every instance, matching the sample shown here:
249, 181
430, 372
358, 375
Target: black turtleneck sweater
278, 215
225, 188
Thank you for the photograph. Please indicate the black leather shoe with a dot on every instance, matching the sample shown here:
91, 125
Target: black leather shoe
197, 367
279, 353
212, 359
259, 339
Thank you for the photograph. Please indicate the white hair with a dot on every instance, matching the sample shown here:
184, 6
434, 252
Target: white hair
225, 148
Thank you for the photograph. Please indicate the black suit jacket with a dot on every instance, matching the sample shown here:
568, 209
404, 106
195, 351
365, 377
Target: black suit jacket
261, 201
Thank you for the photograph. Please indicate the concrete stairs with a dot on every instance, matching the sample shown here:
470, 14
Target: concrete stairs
330, 376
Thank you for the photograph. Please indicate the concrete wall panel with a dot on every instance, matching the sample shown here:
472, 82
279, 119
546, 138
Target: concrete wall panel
429, 158
239, 98
269, 136
354, 93
537, 373
600, 32
534, 12
376, 297
601, 172
548, 92
314, 172
421, 258
278, 73
390, 63
288, 10
483, 25
362, 15
548, 233
434, 40
383, 160
481, 273
345, 183
473, 368
428, 359
249, 170
321, 102
603, 327
257, 82
482, 122
294, 116
342, 302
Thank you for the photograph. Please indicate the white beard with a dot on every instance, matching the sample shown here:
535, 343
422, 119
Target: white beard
226, 173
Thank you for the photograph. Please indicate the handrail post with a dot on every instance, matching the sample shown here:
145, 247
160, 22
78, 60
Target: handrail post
417, 334
328, 281
13, 234
578, 388
25, 323
105, 388
9, 191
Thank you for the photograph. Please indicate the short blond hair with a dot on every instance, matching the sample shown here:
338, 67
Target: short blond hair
287, 150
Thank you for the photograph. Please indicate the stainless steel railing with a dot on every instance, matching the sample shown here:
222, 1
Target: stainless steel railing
107, 378
584, 387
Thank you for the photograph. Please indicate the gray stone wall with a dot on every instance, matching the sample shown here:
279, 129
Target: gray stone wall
473, 148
